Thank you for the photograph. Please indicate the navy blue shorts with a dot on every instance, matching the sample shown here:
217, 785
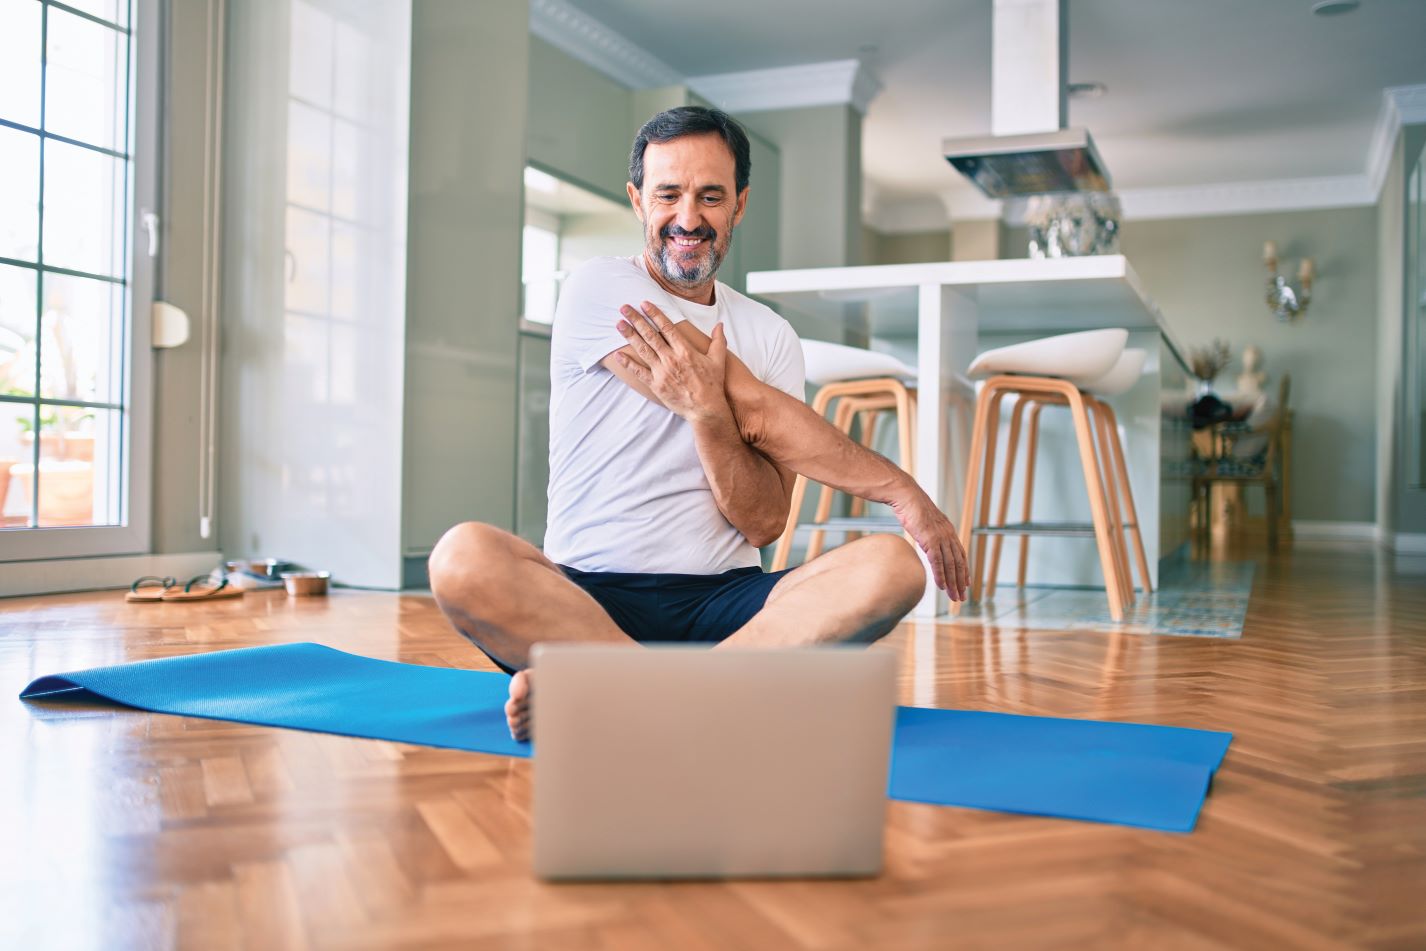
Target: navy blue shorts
682, 609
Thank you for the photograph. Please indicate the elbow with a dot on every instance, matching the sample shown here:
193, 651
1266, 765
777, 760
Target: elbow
769, 532
750, 411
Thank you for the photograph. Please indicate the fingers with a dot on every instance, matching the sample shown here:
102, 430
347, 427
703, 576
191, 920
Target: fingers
962, 567
636, 336
953, 583
640, 324
636, 369
665, 326
719, 344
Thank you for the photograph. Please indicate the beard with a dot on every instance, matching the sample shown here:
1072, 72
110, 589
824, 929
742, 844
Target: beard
683, 269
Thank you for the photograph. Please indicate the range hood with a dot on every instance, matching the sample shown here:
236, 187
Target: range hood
1030, 152
1007, 166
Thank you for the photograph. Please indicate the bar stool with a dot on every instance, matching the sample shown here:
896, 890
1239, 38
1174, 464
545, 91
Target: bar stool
863, 384
1120, 379
1050, 370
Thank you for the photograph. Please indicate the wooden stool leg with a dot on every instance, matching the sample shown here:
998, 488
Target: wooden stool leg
992, 435
1110, 481
1108, 563
1127, 497
974, 466
906, 428
1016, 417
1031, 453
1270, 491
783, 551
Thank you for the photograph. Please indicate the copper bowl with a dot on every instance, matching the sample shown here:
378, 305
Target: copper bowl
306, 583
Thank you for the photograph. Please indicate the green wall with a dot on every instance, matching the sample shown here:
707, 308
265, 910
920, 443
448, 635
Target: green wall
463, 265
1207, 276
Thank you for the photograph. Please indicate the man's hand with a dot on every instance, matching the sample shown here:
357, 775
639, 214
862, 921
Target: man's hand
937, 537
685, 381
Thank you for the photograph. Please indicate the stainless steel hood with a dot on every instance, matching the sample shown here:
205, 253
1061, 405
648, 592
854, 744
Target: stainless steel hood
1006, 166
1030, 152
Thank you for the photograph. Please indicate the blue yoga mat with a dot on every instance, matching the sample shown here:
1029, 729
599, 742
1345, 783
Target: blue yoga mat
1154, 777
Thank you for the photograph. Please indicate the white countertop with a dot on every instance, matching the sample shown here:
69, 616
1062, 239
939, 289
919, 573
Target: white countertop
1027, 295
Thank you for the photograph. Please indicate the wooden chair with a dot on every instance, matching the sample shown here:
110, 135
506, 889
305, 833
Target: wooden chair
859, 385
855, 398
1053, 370
1123, 512
1267, 470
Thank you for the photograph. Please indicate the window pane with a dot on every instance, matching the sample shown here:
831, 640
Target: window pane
539, 261
84, 210
348, 143
357, 76
115, 11
81, 340
19, 193
310, 76
17, 339
84, 81
309, 156
79, 468
347, 276
307, 257
20, 63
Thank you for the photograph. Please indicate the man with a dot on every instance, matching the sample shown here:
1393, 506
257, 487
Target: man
676, 427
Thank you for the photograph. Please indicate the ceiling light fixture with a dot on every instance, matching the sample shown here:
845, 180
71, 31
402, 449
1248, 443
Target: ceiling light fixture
1332, 8
1086, 90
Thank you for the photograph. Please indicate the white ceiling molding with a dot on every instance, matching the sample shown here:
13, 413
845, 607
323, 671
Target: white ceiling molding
597, 46
838, 82
1400, 105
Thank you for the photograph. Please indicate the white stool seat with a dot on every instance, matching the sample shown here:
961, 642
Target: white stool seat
836, 363
1121, 377
1086, 355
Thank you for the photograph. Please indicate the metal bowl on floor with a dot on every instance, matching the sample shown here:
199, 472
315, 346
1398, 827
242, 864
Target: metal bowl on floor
306, 583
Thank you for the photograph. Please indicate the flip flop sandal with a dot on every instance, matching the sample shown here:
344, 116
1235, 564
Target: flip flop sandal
206, 590
149, 588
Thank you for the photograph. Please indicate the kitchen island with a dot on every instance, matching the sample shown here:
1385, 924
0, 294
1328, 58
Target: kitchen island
939, 316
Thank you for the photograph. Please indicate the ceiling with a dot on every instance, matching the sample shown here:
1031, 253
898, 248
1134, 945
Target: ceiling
1200, 93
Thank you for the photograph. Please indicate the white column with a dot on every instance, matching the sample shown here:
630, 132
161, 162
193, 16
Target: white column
946, 343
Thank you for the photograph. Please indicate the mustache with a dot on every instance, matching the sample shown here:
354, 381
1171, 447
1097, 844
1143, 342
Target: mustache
675, 231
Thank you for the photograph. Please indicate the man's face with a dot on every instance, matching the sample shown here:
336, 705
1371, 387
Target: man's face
688, 207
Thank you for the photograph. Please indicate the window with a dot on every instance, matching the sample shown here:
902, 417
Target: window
539, 265
68, 285
565, 225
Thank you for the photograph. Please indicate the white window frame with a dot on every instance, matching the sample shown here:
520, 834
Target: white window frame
134, 535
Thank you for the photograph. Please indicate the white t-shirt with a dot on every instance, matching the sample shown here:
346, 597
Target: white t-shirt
627, 490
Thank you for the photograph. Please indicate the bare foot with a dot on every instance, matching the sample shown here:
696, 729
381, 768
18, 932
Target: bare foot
517, 708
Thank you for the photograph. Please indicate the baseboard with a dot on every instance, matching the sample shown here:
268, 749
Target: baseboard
1404, 543
94, 574
1322, 531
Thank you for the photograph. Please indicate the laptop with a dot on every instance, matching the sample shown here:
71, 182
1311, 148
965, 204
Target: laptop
685, 762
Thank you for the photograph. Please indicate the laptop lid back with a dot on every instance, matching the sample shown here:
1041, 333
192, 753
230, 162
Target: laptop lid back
671, 762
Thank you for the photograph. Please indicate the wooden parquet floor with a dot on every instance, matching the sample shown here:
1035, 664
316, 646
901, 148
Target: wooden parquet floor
129, 830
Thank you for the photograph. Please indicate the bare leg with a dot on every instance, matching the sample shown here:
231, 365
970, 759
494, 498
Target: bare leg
503, 594
855, 593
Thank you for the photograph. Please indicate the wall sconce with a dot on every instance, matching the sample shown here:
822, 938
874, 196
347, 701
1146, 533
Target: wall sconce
1285, 301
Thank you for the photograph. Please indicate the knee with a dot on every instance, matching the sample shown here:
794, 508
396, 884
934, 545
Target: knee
467, 557
899, 575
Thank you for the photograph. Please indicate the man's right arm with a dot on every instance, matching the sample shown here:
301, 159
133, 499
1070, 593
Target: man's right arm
788, 432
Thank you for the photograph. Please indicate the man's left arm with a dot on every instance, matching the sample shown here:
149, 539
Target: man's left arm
752, 492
